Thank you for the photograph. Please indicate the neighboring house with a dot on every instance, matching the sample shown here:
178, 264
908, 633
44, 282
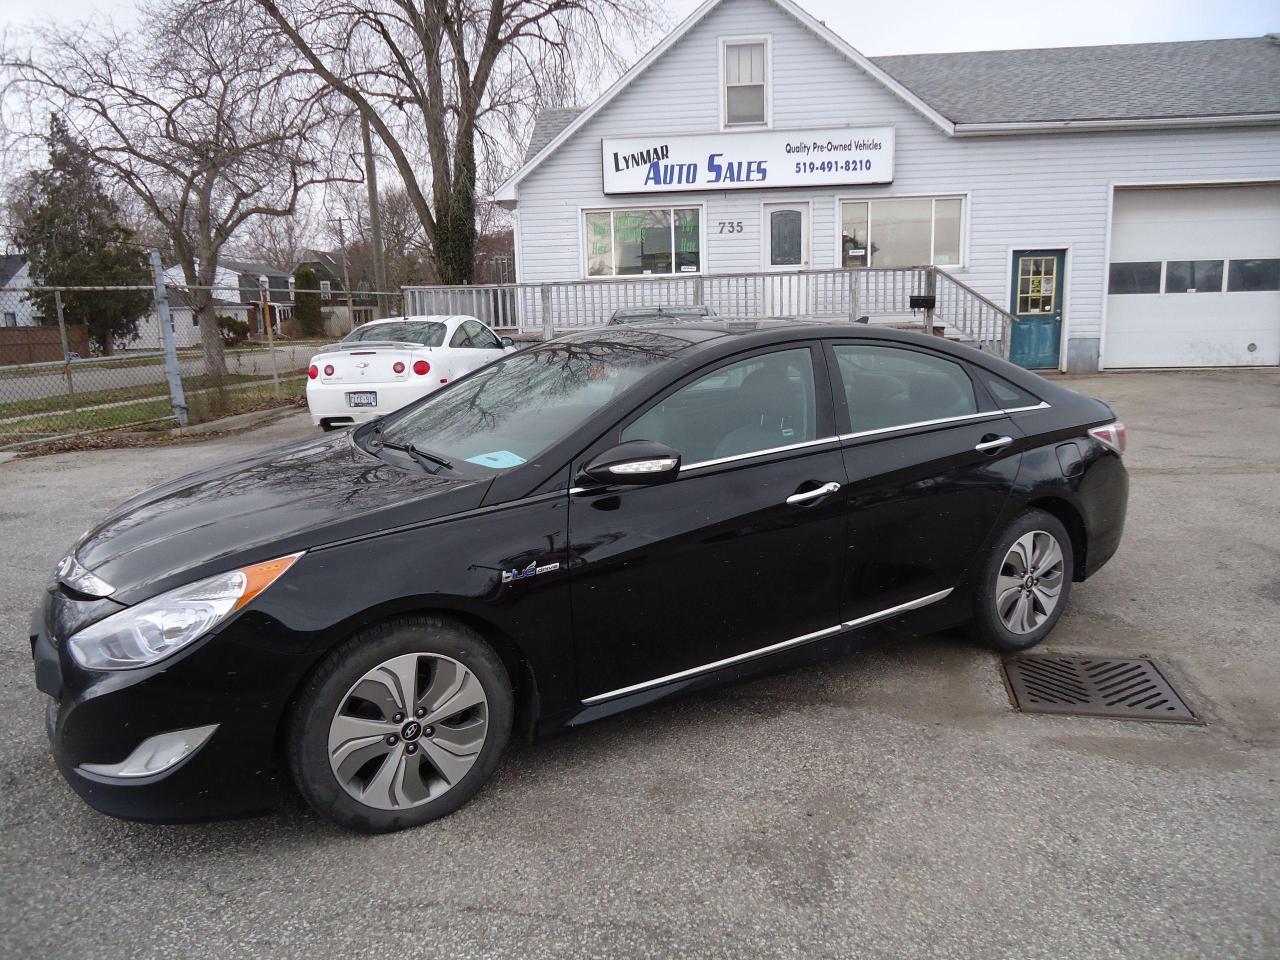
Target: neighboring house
1122, 201
16, 308
186, 328
240, 281
328, 268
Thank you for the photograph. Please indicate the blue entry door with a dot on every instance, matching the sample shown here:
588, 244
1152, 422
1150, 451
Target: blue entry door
1036, 300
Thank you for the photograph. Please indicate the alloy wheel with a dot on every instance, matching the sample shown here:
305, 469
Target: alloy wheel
1029, 584
408, 731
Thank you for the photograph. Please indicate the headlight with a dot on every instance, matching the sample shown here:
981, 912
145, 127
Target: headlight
160, 626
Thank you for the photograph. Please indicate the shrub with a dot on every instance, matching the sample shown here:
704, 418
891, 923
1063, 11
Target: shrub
233, 331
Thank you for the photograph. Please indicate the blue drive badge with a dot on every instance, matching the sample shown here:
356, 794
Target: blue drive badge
498, 459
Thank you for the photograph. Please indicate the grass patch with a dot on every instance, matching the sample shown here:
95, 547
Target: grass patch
61, 403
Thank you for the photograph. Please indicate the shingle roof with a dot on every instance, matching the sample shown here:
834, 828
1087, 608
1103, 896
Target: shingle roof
11, 265
1200, 78
547, 126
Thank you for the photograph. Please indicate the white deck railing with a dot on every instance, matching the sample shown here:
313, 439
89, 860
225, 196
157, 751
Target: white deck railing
882, 294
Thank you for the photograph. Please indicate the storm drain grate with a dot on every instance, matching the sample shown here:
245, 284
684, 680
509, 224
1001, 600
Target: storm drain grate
1094, 687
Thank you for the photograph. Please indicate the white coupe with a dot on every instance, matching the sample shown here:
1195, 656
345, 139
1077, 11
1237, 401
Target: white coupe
381, 366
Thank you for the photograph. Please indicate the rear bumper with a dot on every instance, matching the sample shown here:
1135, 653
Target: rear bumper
328, 401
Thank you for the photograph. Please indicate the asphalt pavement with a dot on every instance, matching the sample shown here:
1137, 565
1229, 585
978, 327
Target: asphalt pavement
886, 804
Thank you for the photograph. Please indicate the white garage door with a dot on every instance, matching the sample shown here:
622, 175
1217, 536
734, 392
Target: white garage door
1194, 278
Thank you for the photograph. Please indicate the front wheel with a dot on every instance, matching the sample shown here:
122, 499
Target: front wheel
1024, 583
400, 725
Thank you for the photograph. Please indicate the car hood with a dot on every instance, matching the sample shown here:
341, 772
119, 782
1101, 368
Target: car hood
260, 507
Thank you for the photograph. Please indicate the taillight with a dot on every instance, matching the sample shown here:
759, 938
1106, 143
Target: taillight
421, 367
398, 367
313, 371
328, 369
1112, 434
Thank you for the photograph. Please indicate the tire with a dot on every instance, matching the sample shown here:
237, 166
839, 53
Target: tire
1010, 622
358, 765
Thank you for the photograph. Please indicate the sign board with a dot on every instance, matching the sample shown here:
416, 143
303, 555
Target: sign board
748, 161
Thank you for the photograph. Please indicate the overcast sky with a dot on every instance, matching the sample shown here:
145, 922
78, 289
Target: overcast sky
915, 26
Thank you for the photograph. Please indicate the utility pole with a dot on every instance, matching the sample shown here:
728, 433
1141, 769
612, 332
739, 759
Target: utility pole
375, 216
346, 275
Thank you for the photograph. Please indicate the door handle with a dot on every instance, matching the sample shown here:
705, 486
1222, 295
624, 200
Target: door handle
993, 444
823, 491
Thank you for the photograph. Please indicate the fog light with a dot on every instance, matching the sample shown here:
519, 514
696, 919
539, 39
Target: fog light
153, 755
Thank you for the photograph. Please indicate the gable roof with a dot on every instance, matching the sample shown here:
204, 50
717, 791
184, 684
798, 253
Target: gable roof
1015, 91
11, 264
1122, 82
532, 159
547, 127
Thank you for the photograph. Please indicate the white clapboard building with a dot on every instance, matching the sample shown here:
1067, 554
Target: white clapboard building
1123, 201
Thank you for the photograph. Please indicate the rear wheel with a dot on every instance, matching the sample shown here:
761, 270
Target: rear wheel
1024, 583
400, 725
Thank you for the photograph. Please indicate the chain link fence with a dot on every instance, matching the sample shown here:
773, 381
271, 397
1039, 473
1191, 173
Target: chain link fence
58, 379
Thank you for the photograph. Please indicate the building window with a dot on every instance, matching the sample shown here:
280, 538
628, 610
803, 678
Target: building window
622, 243
326, 289
1245, 276
1192, 276
746, 82
10, 319
904, 232
1136, 277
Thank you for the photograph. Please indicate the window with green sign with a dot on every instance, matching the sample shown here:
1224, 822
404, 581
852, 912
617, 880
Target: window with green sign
643, 242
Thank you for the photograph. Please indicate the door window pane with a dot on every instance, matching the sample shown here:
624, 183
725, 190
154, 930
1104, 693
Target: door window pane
641, 241
459, 338
1134, 278
786, 238
688, 241
745, 407
946, 232
1190, 276
901, 232
890, 387
853, 234
1037, 284
599, 244
1253, 275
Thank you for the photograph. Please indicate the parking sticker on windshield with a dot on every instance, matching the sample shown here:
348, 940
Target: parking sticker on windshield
497, 459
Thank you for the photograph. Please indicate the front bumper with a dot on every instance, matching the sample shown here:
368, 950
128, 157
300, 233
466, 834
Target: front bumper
99, 720
328, 401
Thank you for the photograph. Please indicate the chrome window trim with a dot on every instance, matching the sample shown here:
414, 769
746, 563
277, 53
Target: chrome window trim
757, 453
941, 421
773, 648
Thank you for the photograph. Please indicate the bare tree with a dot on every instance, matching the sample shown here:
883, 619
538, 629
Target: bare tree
453, 82
208, 132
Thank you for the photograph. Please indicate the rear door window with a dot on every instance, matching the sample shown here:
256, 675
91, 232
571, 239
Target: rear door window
886, 387
749, 406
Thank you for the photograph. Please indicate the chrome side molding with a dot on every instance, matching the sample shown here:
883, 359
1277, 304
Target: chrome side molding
774, 648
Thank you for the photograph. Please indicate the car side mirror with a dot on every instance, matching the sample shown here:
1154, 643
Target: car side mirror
507, 341
634, 463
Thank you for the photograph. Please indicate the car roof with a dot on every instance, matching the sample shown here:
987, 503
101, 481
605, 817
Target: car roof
422, 318
721, 335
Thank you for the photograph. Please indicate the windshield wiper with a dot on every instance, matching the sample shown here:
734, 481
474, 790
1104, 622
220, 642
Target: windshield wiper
418, 453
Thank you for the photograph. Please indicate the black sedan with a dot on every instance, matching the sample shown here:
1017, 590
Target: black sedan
587, 525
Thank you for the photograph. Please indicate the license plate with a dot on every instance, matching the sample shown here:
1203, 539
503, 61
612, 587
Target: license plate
367, 399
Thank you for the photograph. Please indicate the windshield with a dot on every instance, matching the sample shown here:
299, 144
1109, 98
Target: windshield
429, 333
513, 410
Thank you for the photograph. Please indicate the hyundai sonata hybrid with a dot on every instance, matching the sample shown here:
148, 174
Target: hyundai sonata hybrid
587, 525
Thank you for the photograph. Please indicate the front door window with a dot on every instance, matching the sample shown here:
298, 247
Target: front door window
1037, 284
786, 236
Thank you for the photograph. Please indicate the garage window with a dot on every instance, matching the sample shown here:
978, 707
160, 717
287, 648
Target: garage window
1192, 276
1137, 277
1253, 275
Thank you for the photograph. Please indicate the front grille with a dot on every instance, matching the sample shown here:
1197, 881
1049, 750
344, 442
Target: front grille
1094, 687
